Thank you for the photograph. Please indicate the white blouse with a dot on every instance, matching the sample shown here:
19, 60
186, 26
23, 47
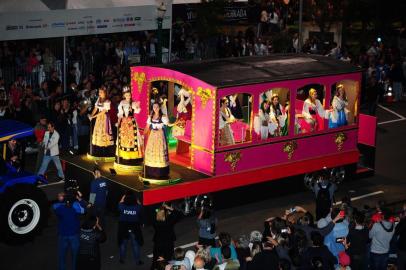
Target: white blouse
158, 124
124, 108
103, 106
316, 107
227, 116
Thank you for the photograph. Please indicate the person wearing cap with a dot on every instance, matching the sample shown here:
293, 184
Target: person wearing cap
343, 261
381, 234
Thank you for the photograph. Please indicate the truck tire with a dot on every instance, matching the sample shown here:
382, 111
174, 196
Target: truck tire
24, 213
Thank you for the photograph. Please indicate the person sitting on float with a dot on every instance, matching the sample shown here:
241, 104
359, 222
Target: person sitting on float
311, 107
339, 114
278, 118
226, 118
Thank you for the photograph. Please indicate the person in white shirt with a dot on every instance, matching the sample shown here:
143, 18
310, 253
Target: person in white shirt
51, 151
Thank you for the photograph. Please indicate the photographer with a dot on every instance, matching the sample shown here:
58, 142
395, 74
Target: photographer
91, 235
164, 236
129, 226
68, 210
324, 190
207, 227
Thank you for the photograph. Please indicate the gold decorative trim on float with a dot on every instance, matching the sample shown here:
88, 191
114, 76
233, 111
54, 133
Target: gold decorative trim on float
213, 131
233, 158
126, 169
102, 159
140, 78
340, 139
205, 95
290, 148
160, 182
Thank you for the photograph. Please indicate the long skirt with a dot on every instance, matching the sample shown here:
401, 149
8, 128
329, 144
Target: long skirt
156, 155
129, 145
226, 136
341, 120
102, 137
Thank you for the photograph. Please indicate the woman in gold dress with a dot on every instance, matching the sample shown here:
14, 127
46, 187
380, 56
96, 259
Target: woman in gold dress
102, 135
156, 152
129, 143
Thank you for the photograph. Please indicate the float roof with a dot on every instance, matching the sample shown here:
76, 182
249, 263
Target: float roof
229, 72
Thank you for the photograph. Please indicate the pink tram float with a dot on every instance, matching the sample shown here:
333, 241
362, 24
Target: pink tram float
243, 121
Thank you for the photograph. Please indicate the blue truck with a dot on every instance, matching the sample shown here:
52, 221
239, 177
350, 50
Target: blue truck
24, 207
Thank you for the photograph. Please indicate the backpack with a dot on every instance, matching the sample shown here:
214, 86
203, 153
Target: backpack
323, 196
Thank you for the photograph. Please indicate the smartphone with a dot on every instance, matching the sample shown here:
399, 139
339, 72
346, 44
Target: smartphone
340, 239
342, 213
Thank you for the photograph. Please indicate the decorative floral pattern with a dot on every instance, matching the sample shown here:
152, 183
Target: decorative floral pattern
140, 78
290, 148
205, 95
340, 139
233, 158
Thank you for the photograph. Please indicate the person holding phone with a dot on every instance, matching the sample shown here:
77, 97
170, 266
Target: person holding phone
336, 239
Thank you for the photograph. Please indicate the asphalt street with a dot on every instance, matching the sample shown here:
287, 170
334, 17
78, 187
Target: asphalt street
239, 213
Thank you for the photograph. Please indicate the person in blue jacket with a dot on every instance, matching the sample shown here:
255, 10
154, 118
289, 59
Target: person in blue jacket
129, 226
68, 210
98, 195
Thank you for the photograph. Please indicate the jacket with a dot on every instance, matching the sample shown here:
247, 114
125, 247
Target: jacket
51, 143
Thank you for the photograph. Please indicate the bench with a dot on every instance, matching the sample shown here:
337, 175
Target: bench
185, 140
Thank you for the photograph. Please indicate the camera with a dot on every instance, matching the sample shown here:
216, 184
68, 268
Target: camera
71, 189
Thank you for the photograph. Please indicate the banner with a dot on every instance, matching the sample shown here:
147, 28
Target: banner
76, 22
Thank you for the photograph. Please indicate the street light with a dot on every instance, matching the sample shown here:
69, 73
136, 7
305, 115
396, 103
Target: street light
161, 14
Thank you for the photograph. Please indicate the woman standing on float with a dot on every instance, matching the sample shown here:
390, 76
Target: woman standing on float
156, 152
102, 135
129, 143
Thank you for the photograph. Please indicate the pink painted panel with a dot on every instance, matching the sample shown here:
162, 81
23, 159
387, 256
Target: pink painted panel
272, 154
202, 161
203, 114
367, 130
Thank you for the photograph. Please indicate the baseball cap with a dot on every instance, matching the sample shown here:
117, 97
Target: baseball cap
343, 259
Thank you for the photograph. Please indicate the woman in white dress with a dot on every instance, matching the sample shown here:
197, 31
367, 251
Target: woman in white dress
339, 113
278, 118
311, 107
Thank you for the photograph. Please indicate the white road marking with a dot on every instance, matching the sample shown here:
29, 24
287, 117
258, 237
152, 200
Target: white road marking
362, 196
392, 112
391, 121
51, 184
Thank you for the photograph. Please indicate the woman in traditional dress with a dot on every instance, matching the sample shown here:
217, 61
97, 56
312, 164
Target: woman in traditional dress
129, 143
156, 152
338, 116
262, 127
278, 118
102, 135
226, 118
311, 107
